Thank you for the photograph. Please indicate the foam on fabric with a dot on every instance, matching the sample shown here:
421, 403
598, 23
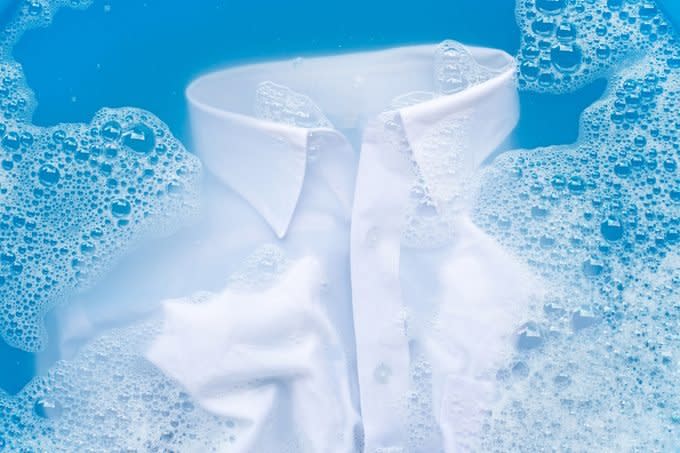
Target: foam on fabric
597, 364
75, 197
109, 396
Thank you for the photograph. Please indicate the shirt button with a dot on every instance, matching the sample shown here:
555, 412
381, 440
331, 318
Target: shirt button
372, 237
382, 373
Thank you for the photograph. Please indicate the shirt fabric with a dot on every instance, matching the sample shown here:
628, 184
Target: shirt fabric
382, 324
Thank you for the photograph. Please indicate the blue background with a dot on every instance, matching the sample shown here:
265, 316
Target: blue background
144, 53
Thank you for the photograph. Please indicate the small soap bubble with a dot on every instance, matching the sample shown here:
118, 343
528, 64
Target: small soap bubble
121, 208
612, 229
139, 138
550, 6
280, 104
49, 175
46, 407
566, 57
583, 318
529, 336
608, 248
111, 130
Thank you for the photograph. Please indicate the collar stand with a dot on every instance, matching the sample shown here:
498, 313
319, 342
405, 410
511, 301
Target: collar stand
251, 124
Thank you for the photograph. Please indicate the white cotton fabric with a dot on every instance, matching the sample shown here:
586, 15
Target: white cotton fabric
258, 351
485, 294
485, 114
322, 357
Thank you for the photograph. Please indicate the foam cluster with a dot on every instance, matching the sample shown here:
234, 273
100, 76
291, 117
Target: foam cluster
585, 386
74, 197
280, 104
455, 69
433, 205
567, 44
110, 398
597, 364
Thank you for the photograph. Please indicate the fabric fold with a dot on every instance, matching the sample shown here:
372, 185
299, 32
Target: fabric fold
448, 108
442, 141
261, 160
252, 356
485, 294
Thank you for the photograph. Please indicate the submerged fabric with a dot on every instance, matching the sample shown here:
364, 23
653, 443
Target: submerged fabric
248, 362
396, 355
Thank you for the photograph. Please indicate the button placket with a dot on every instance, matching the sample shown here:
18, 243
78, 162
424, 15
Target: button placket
383, 185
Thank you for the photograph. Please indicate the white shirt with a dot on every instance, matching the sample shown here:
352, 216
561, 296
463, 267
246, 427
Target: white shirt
377, 317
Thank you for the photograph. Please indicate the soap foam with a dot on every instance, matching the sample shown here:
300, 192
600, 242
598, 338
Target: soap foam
567, 44
75, 197
109, 398
596, 366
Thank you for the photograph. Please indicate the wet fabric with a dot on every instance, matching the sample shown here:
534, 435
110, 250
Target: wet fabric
383, 331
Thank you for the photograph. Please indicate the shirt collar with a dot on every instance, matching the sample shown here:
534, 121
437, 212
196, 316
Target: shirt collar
265, 162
